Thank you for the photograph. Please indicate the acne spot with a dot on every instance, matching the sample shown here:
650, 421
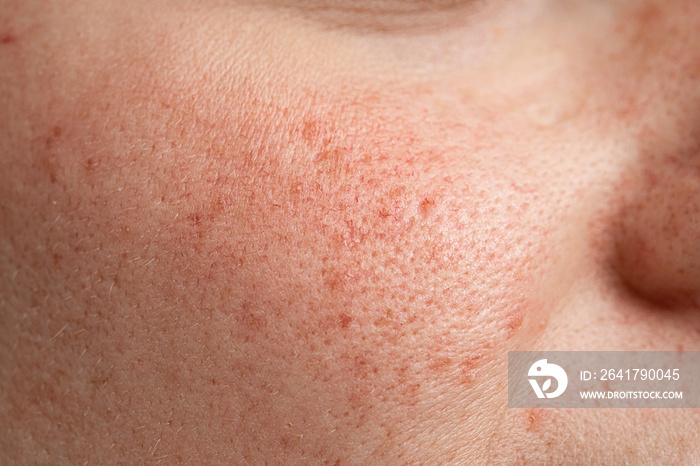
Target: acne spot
345, 320
426, 207
7, 38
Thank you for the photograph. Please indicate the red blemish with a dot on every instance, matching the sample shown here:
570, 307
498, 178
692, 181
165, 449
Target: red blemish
310, 132
649, 14
440, 363
535, 419
515, 321
469, 368
328, 154
426, 207
195, 219
345, 320
8, 39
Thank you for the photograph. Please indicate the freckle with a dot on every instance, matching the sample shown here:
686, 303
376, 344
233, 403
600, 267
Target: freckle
57, 131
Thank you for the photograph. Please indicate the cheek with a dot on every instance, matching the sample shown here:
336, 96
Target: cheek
307, 265
357, 251
368, 266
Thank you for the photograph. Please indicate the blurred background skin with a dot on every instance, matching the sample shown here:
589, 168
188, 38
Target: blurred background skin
309, 232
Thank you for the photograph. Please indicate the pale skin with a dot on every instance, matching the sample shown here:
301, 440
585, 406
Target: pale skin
309, 232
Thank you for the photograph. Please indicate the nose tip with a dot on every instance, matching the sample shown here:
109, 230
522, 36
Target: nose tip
658, 233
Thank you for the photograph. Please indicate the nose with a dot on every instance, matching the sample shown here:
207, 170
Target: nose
658, 227
657, 224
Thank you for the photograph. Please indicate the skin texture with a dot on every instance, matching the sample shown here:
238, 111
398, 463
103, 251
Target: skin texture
309, 232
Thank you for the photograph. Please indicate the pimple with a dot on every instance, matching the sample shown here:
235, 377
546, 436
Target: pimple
426, 207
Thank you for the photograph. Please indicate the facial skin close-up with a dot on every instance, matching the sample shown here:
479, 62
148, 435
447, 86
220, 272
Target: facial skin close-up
309, 232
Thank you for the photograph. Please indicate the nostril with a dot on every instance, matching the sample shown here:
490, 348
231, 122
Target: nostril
658, 236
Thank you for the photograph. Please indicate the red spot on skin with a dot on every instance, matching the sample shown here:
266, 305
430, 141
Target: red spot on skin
310, 132
8, 39
345, 320
426, 207
51, 161
469, 368
648, 15
535, 419
440, 363
328, 155
515, 321
52, 169
195, 219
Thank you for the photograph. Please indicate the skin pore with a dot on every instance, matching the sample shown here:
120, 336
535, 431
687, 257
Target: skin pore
309, 232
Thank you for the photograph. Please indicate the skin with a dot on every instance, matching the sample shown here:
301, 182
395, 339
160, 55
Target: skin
309, 232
